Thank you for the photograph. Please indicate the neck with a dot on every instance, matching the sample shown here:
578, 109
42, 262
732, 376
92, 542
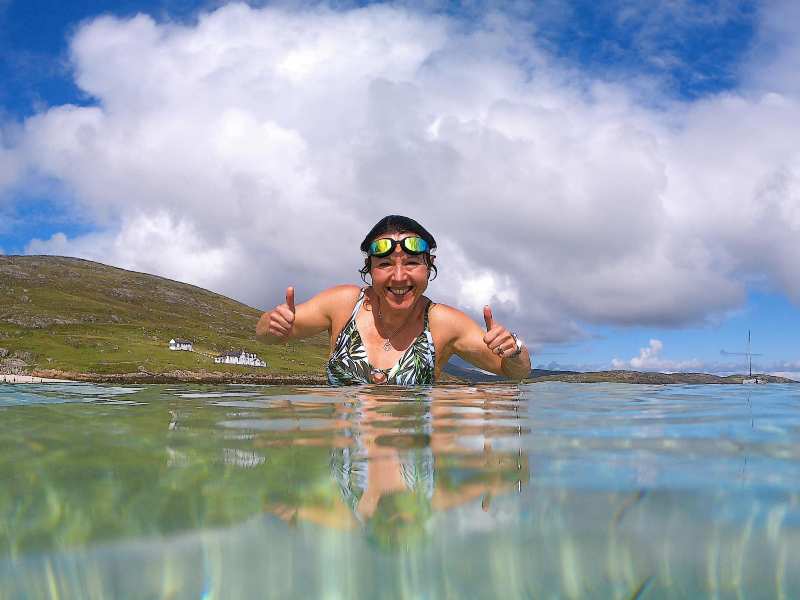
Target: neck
393, 319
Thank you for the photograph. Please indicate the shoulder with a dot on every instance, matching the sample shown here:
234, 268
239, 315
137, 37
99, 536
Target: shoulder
338, 299
341, 293
448, 320
445, 312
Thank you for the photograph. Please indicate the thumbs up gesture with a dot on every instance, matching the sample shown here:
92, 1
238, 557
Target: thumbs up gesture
281, 318
498, 339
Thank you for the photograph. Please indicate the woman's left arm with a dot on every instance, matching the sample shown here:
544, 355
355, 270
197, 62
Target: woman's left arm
492, 350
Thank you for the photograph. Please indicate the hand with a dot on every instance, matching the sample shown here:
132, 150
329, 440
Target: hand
498, 339
281, 318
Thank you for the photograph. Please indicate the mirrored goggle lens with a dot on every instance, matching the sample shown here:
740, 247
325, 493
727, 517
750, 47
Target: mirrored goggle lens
381, 247
415, 245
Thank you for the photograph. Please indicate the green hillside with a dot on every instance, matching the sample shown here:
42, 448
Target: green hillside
75, 316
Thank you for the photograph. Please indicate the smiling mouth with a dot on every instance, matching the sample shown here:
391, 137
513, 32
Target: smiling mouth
399, 292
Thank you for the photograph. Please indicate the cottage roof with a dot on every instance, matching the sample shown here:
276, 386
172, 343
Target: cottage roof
182, 341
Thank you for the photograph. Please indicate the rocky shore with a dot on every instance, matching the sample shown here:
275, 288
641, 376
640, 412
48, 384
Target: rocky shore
210, 377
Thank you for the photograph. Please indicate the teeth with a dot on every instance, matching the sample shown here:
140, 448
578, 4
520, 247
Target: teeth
399, 291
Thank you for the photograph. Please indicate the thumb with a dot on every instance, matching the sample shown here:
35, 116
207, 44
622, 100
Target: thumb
487, 316
290, 298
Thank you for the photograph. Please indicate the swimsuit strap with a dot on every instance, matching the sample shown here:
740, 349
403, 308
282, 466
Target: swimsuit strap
351, 321
361, 297
425, 323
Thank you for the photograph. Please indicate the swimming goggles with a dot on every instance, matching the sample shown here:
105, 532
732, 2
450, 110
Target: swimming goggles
411, 245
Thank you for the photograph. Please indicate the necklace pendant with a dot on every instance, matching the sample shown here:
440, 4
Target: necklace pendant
387, 346
377, 376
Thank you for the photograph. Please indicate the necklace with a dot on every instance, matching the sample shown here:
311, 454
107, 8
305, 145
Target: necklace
387, 345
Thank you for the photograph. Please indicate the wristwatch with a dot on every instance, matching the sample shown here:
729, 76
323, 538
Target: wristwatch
519, 344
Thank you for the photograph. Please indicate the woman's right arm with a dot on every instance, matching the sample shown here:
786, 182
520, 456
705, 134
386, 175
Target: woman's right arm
289, 322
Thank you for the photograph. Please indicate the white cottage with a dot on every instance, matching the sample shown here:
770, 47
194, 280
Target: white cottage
249, 359
179, 344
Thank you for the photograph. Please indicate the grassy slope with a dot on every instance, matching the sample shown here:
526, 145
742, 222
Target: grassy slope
75, 315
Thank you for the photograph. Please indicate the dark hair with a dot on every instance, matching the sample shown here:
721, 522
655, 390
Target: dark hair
397, 224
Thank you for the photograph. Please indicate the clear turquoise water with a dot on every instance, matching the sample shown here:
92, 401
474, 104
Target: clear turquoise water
536, 491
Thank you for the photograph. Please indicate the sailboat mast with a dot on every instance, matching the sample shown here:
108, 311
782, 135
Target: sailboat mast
749, 356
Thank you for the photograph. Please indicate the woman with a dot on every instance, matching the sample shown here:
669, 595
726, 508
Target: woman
389, 332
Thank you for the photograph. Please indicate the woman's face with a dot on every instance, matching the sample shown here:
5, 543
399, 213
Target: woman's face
399, 279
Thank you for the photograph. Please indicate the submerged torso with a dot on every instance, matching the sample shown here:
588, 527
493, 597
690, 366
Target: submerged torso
349, 365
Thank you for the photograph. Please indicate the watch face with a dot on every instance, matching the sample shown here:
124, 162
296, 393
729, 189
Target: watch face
519, 346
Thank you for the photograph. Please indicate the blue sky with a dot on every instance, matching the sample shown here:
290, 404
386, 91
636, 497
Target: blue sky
691, 52
653, 81
34, 38
772, 319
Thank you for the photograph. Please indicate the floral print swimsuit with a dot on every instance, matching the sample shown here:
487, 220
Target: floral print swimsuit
348, 364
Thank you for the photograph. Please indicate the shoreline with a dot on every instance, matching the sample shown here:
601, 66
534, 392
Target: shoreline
217, 377
180, 377
9, 378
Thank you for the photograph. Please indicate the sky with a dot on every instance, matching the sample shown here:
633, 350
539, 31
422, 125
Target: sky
620, 181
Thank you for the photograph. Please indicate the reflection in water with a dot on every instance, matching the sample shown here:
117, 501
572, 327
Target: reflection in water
405, 456
443, 492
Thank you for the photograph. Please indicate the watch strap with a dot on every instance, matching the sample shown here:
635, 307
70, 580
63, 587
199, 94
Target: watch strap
519, 344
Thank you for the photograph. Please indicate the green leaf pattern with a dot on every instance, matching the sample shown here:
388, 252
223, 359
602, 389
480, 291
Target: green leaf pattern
348, 364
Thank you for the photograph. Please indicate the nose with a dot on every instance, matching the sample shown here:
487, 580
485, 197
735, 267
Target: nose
398, 272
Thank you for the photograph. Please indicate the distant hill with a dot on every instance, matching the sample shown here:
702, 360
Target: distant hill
464, 371
67, 316
538, 375
647, 377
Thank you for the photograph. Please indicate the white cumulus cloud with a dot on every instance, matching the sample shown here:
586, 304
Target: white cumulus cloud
650, 359
252, 149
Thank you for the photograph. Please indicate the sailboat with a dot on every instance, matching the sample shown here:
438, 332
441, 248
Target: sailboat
750, 379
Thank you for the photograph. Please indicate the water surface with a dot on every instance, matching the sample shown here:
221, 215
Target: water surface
536, 491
